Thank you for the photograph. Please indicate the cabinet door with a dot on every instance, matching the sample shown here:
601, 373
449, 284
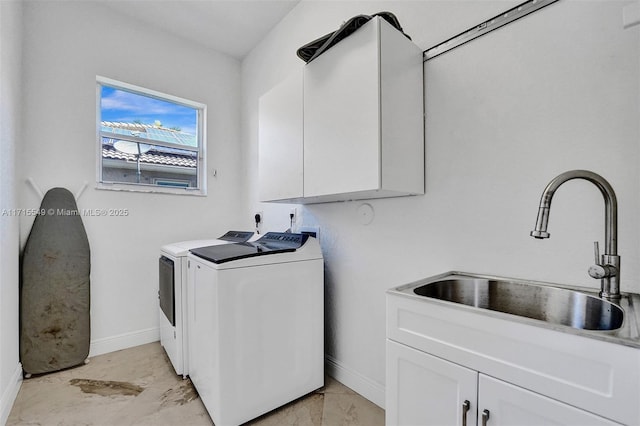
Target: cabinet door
425, 390
280, 141
511, 405
342, 116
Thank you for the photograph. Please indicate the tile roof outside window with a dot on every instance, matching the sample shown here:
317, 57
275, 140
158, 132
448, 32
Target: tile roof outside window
157, 154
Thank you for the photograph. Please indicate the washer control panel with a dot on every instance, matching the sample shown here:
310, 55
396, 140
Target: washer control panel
237, 236
284, 238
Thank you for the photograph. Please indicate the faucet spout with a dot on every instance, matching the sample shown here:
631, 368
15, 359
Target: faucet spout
542, 221
610, 261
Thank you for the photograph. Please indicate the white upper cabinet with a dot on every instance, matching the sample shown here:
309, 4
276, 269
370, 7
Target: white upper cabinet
363, 117
362, 123
280, 146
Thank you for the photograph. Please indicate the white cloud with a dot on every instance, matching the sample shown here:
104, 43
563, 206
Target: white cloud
125, 101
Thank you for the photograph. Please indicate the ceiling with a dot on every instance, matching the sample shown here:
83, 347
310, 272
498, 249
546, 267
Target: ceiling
233, 27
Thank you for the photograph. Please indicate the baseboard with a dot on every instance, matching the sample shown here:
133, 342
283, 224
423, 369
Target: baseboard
9, 395
123, 341
366, 387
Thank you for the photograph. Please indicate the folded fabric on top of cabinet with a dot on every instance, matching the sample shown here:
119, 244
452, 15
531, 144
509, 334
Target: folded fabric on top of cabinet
315, 48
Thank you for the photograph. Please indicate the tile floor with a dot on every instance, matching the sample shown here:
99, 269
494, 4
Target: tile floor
138, 386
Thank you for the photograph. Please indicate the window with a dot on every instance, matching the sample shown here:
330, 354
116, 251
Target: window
149, 141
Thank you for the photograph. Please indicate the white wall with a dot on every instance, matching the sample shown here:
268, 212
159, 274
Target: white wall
555, 91
10, 72
66, 44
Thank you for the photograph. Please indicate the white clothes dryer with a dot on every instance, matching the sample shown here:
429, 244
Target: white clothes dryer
172, 295
256, 324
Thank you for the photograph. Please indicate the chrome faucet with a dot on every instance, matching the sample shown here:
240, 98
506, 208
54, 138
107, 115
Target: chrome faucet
607, 266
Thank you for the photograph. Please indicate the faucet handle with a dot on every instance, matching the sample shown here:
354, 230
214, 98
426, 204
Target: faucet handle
600, 269
597, 270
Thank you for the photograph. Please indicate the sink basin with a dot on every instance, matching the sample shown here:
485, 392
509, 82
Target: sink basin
552, 305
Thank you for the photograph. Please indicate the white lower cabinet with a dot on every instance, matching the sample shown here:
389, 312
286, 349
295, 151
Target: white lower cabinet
424, 390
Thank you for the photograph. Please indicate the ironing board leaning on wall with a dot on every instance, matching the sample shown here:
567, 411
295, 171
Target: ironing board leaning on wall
54, 293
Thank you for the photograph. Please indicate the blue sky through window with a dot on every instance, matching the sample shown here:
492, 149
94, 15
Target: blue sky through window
122, 106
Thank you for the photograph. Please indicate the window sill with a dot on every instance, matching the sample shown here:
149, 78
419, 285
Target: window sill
150, 189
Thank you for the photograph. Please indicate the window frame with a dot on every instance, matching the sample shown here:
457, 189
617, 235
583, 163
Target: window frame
201, 169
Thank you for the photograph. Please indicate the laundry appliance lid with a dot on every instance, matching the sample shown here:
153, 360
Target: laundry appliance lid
270, 243
182, 248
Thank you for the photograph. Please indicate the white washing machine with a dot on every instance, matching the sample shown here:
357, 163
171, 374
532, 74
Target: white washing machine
256, 324
172, 295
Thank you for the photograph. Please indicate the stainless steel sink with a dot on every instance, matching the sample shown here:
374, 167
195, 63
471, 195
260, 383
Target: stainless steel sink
550, 304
